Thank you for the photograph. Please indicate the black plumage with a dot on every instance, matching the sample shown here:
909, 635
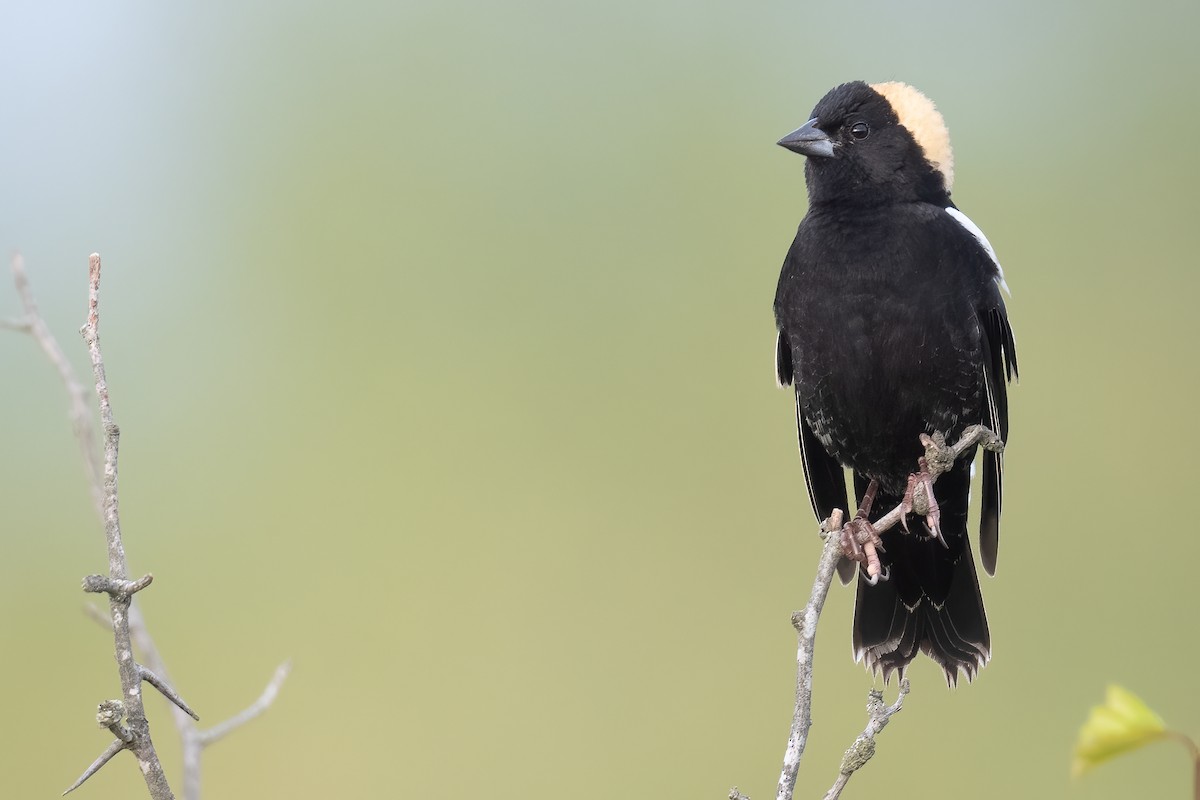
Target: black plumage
892, 324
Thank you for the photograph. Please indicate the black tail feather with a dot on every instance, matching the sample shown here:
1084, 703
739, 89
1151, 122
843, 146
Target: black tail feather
931, 602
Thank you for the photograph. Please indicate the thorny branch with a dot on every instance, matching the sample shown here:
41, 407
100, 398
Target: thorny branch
125, 619
939, 458
194, 740
119, 588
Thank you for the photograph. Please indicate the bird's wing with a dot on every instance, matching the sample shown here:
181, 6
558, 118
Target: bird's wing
973, 229
823, 475
999, 367
783, 361
826, 482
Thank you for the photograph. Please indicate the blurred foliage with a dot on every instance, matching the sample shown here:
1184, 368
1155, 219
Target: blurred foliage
1122, 724
440, 338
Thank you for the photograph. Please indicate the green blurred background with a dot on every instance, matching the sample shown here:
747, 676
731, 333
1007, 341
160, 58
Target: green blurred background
441, 337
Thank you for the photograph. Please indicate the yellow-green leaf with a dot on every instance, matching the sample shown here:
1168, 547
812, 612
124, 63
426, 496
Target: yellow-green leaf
1122, 724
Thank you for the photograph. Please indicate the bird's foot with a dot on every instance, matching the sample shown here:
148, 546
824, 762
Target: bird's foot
919, 499
861, 541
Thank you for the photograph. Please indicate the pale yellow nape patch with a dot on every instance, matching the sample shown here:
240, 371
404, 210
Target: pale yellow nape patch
920, 116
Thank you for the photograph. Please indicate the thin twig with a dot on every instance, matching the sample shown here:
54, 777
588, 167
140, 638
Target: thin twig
77, 393
256, 708
940, 458
1194, 751
859, 753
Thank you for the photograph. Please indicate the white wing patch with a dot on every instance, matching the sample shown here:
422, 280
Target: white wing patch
994, 424
971, 483
812, 496
973, 229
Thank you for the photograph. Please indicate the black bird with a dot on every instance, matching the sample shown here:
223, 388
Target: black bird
892, 324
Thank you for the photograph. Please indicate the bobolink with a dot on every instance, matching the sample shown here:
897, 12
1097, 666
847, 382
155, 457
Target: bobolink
892, 324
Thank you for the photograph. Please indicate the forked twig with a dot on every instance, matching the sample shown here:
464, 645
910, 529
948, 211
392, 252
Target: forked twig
859, 753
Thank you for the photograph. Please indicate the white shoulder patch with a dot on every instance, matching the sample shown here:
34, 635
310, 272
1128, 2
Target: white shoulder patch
973, 229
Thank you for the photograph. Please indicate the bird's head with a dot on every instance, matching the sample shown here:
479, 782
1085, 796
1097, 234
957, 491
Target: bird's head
875, 143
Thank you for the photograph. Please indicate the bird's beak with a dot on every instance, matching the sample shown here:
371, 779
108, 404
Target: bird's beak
808, 140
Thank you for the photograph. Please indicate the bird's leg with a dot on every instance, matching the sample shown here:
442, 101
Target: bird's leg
860, 540
919, 499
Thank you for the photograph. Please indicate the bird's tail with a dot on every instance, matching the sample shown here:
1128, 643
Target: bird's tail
931, 601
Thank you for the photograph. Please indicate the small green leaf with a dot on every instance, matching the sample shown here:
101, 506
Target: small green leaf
1122, 724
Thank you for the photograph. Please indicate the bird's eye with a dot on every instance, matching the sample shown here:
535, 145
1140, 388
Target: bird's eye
859, 130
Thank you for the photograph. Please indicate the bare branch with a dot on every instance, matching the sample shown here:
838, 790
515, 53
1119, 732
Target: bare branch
118, 566
114, 748
805, 623
859, 753
255, 709
80, 414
